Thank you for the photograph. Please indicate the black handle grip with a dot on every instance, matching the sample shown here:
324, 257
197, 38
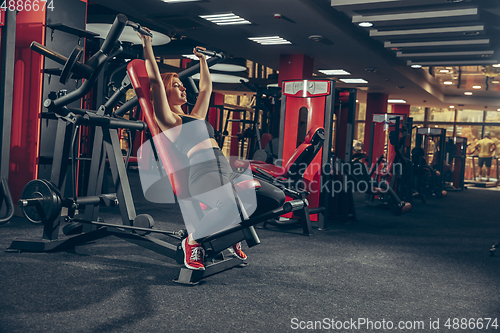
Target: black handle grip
211, 53
114, 33
137, 27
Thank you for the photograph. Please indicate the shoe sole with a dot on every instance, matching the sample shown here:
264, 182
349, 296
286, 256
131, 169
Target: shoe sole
234, 254
185, 262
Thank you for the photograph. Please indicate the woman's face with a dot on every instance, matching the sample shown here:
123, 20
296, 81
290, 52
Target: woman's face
177, 93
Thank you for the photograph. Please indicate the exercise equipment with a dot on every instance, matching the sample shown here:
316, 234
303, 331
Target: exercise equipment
290, 176
456, 156
42, 200
7, 38
316, 100
248, 135
428, 161
478, 183
387, 169
171, 161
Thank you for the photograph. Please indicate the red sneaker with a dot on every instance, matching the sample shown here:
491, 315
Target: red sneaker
236, 251
193, 255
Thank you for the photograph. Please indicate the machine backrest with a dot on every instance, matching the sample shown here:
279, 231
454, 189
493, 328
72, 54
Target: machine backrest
305, 152
173, 161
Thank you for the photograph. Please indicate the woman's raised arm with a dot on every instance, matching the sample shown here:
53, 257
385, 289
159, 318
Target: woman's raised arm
163, 112
200, 109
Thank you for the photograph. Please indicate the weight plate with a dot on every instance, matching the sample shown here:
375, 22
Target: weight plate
70, 63
44, 204
143, 221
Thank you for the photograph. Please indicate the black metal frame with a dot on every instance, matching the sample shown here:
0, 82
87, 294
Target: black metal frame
386, 193
457, 159
438, 181
8, 40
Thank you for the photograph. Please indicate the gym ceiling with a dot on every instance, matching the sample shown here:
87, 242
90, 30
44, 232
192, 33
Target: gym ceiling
454, 39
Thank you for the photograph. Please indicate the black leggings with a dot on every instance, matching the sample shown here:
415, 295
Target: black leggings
210, 178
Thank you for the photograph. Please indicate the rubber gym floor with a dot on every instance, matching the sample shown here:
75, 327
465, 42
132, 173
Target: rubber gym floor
412, 270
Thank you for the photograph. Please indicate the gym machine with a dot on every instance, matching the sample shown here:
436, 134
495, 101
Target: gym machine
248, 136
429, 166
7, 49
306, 105
478, 183
387, 169
456, 156
42, 201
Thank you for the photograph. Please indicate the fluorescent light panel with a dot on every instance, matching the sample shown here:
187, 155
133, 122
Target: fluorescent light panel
225, 19
353, 80
222, 78
334, 72
337, 3
438, 43
396, 101
377, 33
415, 15
443, 54
452, 63
192, 56
271, 40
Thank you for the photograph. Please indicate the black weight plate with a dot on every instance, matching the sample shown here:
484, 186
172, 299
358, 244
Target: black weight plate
70, 63
48, 205
143, 221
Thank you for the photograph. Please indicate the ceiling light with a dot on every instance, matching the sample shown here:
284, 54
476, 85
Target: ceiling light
455, 62
336, 3
448, 83
174, 1
128, 35
334, 72
228, 67
365, 24
416, 66
272, 40
452, 106
353, 80
192, 56
222, 78
225, 19
416, 15
498, 109
496, 65
437, 43
377, 33
444, 71
476, 87
495, 81
396, 101
443, 54
468, 93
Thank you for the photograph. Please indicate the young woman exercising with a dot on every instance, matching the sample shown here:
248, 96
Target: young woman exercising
210, 174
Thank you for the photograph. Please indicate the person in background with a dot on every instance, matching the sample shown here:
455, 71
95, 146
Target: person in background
486, 148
